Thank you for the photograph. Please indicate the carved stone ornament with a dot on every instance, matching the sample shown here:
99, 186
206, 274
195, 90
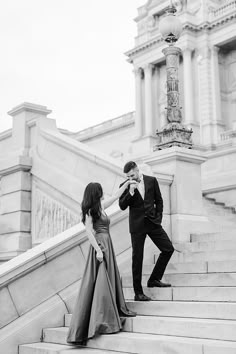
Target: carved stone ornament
174, 134
50, 217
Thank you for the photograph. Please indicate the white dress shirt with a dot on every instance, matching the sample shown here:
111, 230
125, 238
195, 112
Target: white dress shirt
141, 187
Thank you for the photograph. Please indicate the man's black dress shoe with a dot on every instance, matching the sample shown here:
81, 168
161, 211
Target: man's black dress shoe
141, 297
158, 284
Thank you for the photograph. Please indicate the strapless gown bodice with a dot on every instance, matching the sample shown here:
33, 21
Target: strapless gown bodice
102, 224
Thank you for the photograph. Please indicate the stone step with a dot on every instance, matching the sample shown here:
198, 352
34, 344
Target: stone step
164, 294
215, 208
194, 267
201, 256
50, 348
173, 268
214, 236
226, 197
183, 327
207, 310
194, 293
206, 246
208, 279
139, 343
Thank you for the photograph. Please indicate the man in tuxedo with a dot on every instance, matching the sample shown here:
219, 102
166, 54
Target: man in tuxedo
145, 215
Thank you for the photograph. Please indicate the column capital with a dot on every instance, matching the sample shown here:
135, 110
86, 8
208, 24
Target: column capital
203, 53
149, 67
139, 72
187, 49
215, 50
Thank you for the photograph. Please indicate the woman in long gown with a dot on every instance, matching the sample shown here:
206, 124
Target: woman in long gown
100, 307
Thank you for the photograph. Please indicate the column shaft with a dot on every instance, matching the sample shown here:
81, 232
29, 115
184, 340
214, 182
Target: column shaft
148, 100
216, 99
138, 102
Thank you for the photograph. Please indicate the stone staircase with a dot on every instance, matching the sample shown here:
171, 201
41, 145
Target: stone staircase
196, 315
221, 216
226, 198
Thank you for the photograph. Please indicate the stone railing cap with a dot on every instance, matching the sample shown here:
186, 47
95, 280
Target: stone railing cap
29, 107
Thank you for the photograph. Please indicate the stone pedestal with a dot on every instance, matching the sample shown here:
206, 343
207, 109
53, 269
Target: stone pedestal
187, 214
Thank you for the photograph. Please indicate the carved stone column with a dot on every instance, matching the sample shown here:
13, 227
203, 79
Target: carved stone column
174, 134
138, 102
148, 71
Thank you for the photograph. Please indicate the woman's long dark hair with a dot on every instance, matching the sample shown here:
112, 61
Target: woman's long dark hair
91, 203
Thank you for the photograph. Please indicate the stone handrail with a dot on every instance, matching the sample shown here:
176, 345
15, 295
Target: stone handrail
6, 134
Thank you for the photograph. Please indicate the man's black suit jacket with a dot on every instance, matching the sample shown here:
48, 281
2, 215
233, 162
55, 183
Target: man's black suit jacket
151, 207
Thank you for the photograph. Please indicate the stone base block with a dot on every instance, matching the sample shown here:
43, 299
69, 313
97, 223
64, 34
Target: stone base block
18, 221
19, 241
17, 181
183, 225
18, 201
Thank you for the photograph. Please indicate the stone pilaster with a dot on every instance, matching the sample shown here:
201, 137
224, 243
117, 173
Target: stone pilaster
233, 110
15, 173
216, 95
209, 95
15, 208
186, 207
23, 116
189, 109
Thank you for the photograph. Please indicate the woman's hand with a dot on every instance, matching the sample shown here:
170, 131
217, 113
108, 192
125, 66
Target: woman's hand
99, 255
133, 186
130, 182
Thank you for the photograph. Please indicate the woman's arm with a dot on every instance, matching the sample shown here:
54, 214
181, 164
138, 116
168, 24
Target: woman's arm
92, 239
112, 199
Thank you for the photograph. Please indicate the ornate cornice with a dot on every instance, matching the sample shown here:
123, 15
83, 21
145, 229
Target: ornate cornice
187, 26
144, 46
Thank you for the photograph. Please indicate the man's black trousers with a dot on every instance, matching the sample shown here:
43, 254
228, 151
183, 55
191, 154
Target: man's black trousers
162, 241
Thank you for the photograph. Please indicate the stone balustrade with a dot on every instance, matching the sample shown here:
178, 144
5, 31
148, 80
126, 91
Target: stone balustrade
228, 135
228, 8
101, 128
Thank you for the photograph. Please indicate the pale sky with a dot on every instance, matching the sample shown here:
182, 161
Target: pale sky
69, 56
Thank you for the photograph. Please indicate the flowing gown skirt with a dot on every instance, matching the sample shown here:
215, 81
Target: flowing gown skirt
100, 302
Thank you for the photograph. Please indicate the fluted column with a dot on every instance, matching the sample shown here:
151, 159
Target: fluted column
215, 74
148, 70
138, 102
188, 86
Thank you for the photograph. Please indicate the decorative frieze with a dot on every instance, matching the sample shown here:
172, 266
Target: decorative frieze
49, 217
